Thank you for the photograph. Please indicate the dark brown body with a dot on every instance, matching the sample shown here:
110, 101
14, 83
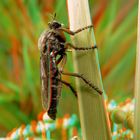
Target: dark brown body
52, 46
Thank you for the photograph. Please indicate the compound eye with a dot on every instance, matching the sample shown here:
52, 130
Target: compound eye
57, 25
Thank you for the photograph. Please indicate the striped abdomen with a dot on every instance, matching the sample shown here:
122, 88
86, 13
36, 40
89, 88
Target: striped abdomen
55, 87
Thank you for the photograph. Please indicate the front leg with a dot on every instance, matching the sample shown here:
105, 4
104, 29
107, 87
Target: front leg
74, 32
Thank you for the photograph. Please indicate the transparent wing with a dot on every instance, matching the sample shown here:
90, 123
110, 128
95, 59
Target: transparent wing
45, 80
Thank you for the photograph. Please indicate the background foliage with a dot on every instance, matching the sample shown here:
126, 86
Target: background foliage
21, 23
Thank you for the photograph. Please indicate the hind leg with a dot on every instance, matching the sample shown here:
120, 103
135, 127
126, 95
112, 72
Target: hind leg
70, 86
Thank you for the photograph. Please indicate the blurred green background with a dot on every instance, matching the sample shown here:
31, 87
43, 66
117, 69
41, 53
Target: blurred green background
21, 23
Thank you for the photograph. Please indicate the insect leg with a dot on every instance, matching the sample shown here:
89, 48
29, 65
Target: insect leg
63, 62
70, 86
59, 59
85, 80
78, 48
75, 32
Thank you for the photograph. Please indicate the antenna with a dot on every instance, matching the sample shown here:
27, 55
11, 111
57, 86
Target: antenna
54, 17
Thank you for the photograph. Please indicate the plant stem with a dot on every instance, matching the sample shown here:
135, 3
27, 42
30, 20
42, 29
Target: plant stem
93, 115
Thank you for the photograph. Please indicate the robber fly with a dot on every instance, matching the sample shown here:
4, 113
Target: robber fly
53, 46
